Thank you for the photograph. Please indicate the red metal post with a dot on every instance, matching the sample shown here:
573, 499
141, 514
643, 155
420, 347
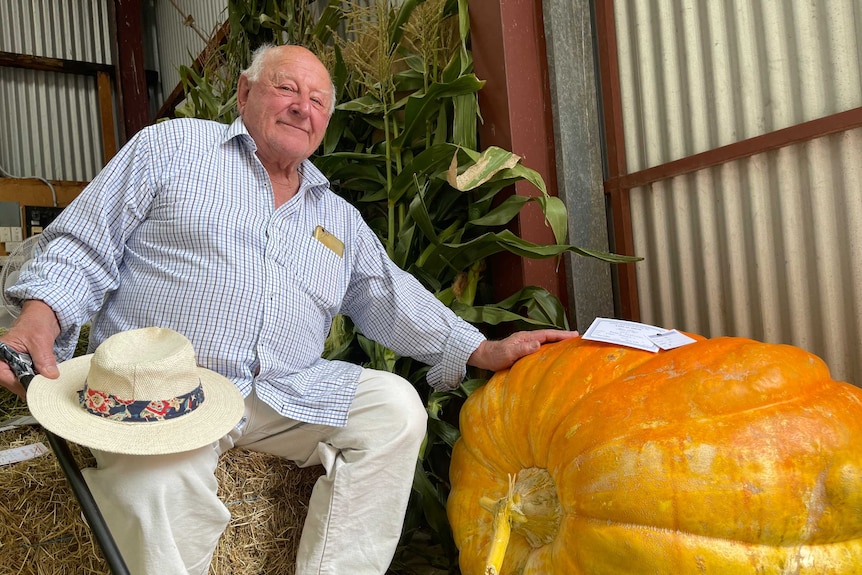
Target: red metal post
508, 45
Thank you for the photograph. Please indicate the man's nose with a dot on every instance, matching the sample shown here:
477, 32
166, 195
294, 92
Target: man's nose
300, 106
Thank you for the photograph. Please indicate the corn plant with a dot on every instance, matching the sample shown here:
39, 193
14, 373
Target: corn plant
402, 147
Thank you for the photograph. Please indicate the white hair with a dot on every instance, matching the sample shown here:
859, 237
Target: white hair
254, 70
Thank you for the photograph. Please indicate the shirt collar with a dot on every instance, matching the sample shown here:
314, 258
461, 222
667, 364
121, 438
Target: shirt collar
313, 180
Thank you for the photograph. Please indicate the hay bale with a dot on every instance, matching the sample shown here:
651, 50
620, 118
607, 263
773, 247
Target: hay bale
41, 530
268, 499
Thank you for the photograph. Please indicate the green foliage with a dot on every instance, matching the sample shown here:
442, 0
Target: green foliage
402, 147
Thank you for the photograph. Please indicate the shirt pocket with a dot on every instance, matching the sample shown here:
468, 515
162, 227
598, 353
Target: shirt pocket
321, 273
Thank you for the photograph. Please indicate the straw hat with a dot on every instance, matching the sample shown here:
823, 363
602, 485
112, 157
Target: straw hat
140, 393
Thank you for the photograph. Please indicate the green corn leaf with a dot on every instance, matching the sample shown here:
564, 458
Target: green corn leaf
441, 131
367, 196
352, 175
367, 104
380, 357
446, 296
421, 106
459, 256
328, 21
501, 167
522, 172
434, 404
556, 216
424, 165
210, 101
415, 63
335, 132
493, 315
433, 505
419, 213
431, 282
470, 385
340, 338
540, 304
432, 251
407, 81
400, 19
448, 433
336, 158
464, 33
404, 243
464, 125
502, 214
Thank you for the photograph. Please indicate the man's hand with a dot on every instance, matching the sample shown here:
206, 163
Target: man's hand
499, 355
33, 333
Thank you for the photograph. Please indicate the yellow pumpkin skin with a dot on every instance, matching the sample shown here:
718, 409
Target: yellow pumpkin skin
726, 456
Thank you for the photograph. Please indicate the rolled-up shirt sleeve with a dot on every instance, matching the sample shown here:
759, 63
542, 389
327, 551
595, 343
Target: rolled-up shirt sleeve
76, 260
449, 372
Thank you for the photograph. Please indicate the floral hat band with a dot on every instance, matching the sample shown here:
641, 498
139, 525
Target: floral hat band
112, 407
140, 393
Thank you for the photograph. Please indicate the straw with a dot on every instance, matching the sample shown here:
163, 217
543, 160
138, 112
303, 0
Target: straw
42, 532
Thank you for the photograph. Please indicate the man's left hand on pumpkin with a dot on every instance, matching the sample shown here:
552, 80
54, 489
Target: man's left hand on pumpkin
501, 354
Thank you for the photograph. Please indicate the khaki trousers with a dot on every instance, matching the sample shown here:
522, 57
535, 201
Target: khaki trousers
166, 518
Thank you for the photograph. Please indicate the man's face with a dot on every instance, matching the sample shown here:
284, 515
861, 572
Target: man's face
286, 110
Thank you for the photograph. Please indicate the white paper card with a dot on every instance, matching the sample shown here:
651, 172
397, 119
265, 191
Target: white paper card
18, 422
671, 339
622, 332
22, 453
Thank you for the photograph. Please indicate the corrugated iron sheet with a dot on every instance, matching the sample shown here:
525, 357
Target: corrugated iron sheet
769, 247
63, 29
178, 42
49, 124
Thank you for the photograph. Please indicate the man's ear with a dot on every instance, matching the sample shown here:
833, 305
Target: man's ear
242, 89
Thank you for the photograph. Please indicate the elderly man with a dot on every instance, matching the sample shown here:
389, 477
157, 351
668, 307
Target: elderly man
228, 235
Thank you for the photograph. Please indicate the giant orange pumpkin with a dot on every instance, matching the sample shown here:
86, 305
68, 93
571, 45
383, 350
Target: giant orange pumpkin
726, 456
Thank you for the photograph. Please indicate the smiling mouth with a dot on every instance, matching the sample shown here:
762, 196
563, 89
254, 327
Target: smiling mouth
289, 125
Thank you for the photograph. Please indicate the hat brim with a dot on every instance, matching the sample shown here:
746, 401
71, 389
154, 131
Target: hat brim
54, 403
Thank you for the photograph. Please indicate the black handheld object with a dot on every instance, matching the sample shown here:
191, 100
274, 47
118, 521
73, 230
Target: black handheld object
21, 365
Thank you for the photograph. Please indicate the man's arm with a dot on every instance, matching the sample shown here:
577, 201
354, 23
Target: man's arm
390, 306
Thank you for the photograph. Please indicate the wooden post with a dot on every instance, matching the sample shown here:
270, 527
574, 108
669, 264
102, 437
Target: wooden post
131, 79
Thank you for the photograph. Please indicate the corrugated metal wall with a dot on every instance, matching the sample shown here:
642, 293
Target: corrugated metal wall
178, 43
49, 123
769, 247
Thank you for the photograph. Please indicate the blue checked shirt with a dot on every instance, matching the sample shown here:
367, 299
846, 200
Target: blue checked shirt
179, 230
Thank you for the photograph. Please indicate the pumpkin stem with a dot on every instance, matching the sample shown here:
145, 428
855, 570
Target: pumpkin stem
530, 507
502, 511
